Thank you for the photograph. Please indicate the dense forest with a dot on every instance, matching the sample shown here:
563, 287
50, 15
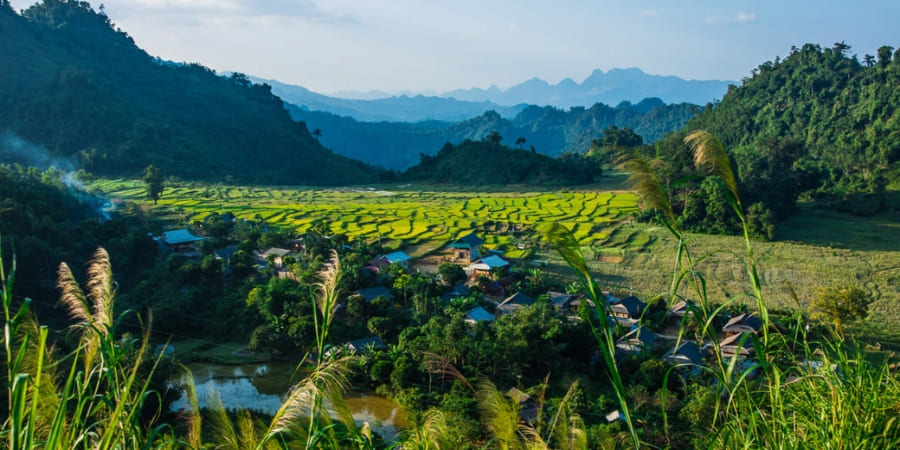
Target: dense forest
818, 125
550, 131
84, 91
487, 162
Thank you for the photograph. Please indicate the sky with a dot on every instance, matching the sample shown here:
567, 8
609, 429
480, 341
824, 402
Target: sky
436, 46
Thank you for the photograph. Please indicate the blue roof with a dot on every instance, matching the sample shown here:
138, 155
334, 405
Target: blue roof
479, 314
397, 257
181, 236
494, 261
470, 240
375, 292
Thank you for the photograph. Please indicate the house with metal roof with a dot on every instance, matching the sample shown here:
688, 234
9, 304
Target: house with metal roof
487, 266
379, 263
466, 248
179, 240
514, 302
478, 314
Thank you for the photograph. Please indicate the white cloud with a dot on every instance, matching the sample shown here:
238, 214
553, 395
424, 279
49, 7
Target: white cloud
650, 12
740, 17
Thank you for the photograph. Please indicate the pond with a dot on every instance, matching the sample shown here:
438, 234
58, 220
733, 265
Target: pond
261, 387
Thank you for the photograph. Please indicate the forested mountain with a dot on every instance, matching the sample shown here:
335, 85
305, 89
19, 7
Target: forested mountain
401, 108
819, 124
73, 84
489, 162
549, 130
842, 112
611, 87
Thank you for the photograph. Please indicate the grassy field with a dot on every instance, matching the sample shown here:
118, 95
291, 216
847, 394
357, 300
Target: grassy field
816, 248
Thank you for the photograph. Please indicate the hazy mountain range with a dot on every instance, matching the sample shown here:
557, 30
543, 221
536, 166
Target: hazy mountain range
609, 88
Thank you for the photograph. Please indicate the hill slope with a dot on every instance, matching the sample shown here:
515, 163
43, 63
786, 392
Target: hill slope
842, 113
86, 92
549, 130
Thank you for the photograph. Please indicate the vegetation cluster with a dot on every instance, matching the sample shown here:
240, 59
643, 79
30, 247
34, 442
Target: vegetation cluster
82, 89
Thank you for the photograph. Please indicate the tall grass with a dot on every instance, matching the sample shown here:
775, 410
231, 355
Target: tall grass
798, 392
98, 402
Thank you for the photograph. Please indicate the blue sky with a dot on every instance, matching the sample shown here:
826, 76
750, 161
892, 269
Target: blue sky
435, 46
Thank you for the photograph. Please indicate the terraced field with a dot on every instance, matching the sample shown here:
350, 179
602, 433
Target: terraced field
419, 221
815, 248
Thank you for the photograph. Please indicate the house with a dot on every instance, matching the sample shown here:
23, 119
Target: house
366, 345
370, 294
379, 263
528, 407
478, 314
225, 253
636, 341
736, 345
688, 352
499, 288
460, 290
627, 308
562, 301
466, 248
179, 241
297, 245
277, 255
742, 323
680, 309
487, 266
513, 303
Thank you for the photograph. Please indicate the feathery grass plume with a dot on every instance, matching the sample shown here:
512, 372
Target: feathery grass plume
500, 416
102, 290
192, 417
431, 433
649, 187
567, 430
221, 427
75, 302
246, 430
327, 294
305, 403
439, 365
709, 154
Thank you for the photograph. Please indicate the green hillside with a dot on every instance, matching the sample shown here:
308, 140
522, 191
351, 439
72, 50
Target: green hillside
842, 112
488, 162
82, 89
549, 130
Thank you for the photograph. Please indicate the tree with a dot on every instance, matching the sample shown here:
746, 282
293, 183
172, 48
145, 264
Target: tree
869, 60
493, 137
839, 304
520, 141
317, 133
154, 179
884, 56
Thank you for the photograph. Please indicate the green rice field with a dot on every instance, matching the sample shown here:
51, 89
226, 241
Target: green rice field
419, 221
815, 248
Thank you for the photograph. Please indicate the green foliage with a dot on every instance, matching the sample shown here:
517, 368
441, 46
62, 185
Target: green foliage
816, 121
85, 91
489, 162
840, 304
153, 178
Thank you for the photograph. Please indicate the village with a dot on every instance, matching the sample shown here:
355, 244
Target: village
493, 287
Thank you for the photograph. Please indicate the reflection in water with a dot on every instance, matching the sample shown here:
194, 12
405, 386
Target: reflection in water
260, 387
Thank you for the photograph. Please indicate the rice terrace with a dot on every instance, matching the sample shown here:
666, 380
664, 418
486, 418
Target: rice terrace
623, 254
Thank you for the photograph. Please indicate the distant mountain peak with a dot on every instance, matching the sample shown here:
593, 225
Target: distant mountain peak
611, 87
